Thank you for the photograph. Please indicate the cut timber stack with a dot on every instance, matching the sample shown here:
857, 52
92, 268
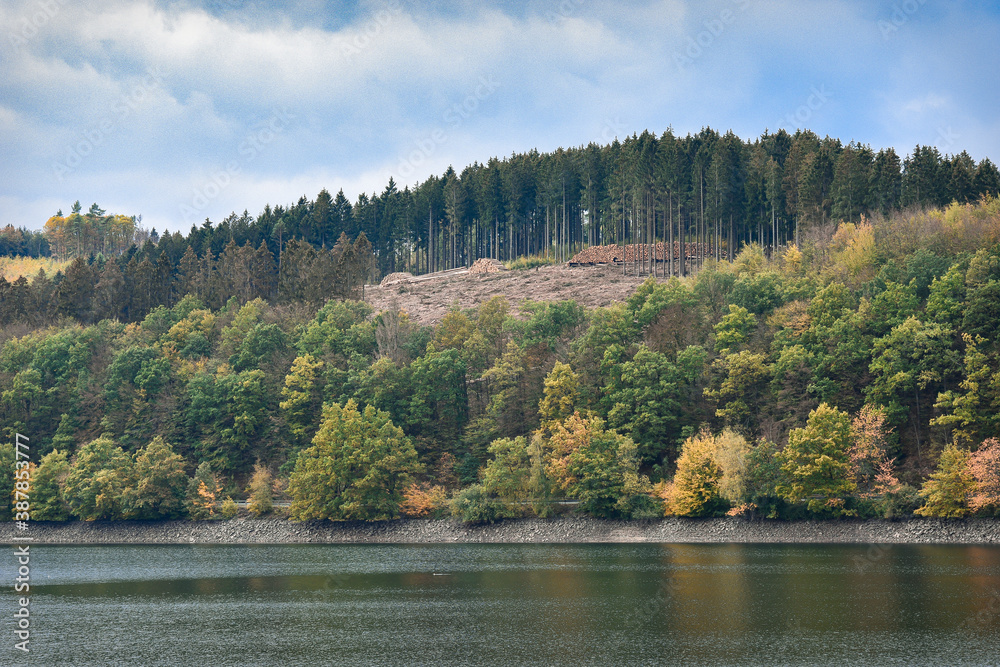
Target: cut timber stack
399, 277
486, 265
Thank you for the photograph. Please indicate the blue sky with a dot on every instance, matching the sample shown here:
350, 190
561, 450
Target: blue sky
180, 111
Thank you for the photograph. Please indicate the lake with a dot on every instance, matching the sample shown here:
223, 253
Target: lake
463, 604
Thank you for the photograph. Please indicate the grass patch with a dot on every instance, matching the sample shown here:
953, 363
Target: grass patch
530, 262
13, 268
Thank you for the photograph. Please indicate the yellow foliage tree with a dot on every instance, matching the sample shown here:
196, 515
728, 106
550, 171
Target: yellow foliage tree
260, 491
695, 490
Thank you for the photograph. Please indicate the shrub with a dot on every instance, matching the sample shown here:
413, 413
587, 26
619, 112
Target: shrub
228, 510
473, 505
422, 500
531, 262
899, 503
641, 506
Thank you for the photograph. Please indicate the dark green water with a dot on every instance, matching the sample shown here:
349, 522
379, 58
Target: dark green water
511, 605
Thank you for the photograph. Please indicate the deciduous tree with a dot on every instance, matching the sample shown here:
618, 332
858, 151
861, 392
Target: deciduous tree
817, 462
357, 467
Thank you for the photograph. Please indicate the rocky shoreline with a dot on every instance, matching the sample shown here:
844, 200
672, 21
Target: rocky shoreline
247, 530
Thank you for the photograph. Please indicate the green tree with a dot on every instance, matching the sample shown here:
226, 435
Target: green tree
560, 393
910, 366
792, 386
947, 492
974, 409
508, 474
97, 480
357, 467
597, 466
159, 484
228, 413
741, 380
734, 329
438, 406
302, 402
758, 293
764, 476
7, 458
48, 502
816, 462
511, 400
64, 437
650, 398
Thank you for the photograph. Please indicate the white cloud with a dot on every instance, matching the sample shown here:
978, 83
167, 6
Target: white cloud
366, 92
929, 102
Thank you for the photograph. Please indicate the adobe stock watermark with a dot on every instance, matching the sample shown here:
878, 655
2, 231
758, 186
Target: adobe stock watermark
564, 10
29, 26
818, 97
946, 137
371, 29
94, 136
872, 555
902, 13
701, 42
665, 591
22, 551
454, 116
986, 615
612, 130
252, 145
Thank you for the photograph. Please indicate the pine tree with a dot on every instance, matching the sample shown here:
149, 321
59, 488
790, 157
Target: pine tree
76, 291
109, 294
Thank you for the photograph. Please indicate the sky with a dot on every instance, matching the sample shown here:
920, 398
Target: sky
187, 110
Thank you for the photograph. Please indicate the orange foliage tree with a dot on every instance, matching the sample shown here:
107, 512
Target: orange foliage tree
985, 468
871, 467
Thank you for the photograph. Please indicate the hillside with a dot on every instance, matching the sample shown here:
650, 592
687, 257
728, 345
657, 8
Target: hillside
427, 299
874, 343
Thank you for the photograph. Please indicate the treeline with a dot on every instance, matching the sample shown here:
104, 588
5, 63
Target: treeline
854, 374
711, 189
92, 233
714, 190
16, 242
128, 286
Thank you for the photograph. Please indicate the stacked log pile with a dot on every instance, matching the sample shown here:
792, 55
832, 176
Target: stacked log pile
399, 277
486, 265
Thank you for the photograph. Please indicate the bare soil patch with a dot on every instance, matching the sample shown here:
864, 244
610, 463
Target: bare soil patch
428, 300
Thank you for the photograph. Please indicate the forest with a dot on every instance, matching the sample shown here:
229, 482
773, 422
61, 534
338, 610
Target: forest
829, 350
